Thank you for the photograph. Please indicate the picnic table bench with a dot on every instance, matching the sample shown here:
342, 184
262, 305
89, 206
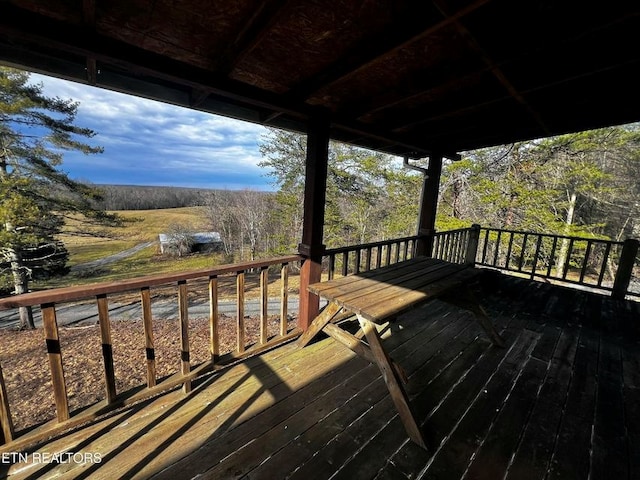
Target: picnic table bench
377, 296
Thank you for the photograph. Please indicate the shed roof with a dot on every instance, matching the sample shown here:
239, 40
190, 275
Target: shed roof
406, 77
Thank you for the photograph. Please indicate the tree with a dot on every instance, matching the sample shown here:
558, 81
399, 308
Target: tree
369, 196
37, 197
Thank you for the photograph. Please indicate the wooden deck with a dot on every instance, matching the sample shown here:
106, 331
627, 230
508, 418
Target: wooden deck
561, 401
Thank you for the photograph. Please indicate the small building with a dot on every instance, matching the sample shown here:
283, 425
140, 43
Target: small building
198, 242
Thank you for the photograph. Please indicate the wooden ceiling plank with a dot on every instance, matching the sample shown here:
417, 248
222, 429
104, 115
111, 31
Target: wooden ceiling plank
373, 49
253, 31
493, 66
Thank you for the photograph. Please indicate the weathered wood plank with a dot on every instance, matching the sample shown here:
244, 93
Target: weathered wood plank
531, 461
493, 457
571, 457
609, 456
453, 457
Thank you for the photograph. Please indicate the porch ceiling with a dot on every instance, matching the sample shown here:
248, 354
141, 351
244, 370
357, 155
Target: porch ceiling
406, 77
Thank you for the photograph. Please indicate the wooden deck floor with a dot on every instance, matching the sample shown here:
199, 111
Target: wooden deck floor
561, 401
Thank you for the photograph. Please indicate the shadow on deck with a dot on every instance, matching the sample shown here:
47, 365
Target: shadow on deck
561, 401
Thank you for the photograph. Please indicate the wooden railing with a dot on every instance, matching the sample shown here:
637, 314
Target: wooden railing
594, 263
361, 258
49, 300
456, 246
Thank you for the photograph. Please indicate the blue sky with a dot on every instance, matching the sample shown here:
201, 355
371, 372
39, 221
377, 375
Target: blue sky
152, 143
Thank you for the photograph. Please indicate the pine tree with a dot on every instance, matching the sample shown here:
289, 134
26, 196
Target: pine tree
35, 131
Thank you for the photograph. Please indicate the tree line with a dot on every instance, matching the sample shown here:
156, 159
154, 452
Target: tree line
137, 197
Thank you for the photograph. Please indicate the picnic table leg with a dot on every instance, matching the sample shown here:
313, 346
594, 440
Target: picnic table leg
391, 378
330, 311
470, 302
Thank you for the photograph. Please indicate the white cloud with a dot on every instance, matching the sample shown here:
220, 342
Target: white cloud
141, 135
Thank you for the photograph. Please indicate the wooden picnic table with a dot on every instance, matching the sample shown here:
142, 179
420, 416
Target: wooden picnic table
376, 297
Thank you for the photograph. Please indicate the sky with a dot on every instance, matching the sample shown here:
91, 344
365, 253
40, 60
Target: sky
152, 143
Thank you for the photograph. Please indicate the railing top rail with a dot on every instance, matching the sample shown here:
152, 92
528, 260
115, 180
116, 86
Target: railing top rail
552, 235
360, 246
70, 294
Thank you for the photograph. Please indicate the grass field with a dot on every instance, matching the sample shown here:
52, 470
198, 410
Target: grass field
140, 226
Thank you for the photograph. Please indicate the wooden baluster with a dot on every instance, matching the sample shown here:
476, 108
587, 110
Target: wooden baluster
150, 352
379, 256
264, 299
605, 258
183, 307
50, 326
497, 252
332, 266
368, 259
485, 246
107, 348
214, 330
535, 257
397, 252
523, 251
240, 335
552, 255
406, 250
345, 263
567, 261
284, 294
585, 261
358, 254
388, 254
5, 413
509, 249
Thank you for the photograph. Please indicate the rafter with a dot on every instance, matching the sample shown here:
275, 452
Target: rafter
251, 34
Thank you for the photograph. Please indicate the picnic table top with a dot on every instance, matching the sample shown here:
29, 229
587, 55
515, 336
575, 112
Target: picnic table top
381, 293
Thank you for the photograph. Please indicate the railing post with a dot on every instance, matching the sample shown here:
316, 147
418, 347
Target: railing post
625, 268
472, 244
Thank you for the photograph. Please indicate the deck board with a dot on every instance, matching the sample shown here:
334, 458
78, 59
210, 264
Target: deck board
525, 412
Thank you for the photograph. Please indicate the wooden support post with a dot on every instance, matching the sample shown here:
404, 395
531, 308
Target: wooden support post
313, 227
625, 268
428, 206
